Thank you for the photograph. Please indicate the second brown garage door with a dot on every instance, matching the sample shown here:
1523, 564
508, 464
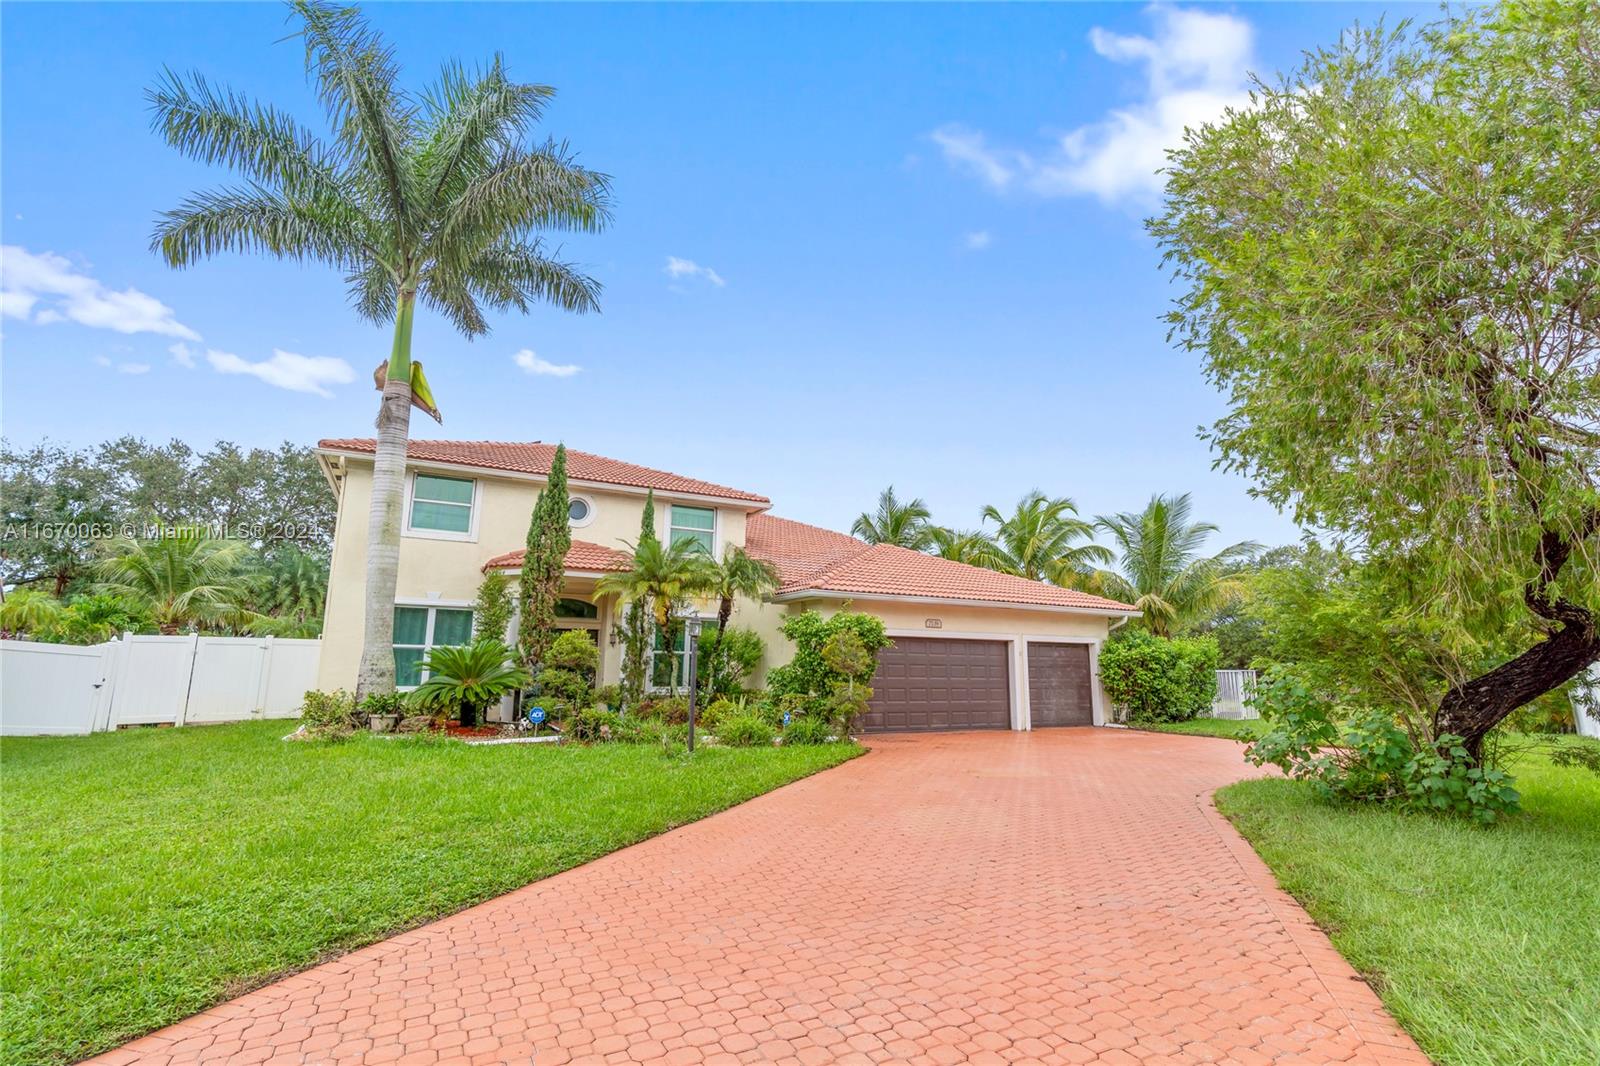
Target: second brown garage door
924, 684
1059, 684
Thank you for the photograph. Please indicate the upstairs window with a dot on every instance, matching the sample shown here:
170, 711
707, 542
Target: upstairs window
441, 504
697, 524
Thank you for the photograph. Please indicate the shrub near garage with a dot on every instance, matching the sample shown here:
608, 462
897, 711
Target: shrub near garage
1160, 680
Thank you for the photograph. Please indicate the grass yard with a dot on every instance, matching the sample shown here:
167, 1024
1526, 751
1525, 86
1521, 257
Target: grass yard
1483, 942
148, 875
1246, 729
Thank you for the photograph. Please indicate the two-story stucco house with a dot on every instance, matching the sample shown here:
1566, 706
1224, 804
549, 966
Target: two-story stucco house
973, 649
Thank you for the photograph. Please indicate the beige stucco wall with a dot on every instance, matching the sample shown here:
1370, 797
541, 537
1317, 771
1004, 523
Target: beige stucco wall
446, 572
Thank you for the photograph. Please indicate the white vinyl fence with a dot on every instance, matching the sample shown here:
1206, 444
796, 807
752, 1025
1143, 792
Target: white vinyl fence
139, 680
1234, 689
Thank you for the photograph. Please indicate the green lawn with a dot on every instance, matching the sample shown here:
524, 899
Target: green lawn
1246, 729
147, 875
1483, 942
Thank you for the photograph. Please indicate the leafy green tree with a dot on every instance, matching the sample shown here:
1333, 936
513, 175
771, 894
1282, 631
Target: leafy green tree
544, 564
903, 524
1161, 569
1039, 541
57, 503
810, 673
738, 574
185, 581
491, 612
1393, 271
737, 651
433, 197
665, 577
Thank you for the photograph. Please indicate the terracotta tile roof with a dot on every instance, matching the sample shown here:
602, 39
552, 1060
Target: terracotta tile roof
534, 458
581, 556
813, 559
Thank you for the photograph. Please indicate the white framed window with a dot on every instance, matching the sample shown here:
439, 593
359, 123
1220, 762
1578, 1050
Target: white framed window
441, 507
580, 511
697, 524
418, 630
662, 665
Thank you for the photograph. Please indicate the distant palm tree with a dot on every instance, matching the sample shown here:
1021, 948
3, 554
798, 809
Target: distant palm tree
970, 546
664, 576
28, 610
183, 581
739, 574
904, 525
432, 197
293, 586
1160, 568
1039, 541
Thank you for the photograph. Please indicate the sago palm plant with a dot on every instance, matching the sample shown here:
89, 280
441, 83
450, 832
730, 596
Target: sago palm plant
464, 679
1159, 566
436, 197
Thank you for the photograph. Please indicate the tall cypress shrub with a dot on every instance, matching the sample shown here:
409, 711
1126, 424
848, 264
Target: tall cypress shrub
543, 565
636, 627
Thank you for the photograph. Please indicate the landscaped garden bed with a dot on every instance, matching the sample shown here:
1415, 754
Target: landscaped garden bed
1482, 940
148, 875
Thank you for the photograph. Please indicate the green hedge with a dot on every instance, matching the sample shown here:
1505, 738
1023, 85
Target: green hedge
1160, 680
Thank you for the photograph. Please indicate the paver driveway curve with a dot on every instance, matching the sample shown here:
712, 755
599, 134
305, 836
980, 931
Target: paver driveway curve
1064, 895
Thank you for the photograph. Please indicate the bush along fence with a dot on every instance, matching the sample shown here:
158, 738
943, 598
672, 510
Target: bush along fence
63, 689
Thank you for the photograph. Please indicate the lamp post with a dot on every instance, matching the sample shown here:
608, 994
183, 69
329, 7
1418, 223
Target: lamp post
691, 648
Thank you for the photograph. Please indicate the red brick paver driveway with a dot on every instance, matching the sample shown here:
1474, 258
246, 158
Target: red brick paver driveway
1058, 896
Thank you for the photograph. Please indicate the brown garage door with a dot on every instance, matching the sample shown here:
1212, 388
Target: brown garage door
1059, 684
940, 684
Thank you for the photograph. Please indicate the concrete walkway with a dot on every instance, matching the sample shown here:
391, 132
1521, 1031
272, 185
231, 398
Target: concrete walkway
1058, 896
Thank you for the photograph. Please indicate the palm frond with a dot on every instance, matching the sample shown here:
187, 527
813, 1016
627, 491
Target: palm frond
472, 120
258, 220
514, 275
359, 86
261, 142
541, 189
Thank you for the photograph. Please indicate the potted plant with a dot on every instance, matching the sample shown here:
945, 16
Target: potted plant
383, 710
465, 679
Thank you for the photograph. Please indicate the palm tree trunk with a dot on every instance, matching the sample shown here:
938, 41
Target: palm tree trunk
376, 673
724, 612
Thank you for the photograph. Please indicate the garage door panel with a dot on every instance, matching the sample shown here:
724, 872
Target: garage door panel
1060, 685
927, 683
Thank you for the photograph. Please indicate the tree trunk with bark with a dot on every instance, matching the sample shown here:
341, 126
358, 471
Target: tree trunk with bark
376, 673
1471, 709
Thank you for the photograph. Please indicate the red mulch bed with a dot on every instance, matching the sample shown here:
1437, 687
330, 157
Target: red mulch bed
455, 729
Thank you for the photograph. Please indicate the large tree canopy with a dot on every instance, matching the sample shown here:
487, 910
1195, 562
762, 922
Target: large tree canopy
1392, 261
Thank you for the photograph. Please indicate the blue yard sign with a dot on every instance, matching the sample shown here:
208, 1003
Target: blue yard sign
786, 719
536, 715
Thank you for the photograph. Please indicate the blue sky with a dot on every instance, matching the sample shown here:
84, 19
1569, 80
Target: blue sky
854, 245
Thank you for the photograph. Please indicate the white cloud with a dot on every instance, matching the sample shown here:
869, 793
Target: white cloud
531, 363
1195, 68
287, 370
688, 268
122, 368
978, 240
183, 355
62, 293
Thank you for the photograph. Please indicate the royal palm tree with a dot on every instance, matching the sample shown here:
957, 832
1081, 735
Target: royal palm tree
664, 576
1039, 541
184, 581
738, 574
1159, 566
435, 197
904, 525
